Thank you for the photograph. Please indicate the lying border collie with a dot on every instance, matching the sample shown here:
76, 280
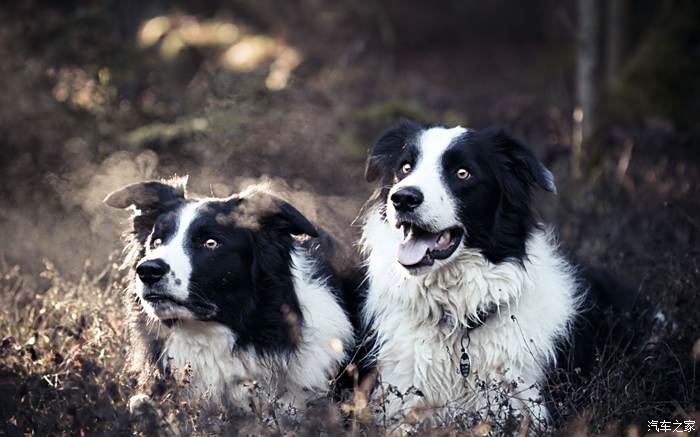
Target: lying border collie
223, 294
467, 293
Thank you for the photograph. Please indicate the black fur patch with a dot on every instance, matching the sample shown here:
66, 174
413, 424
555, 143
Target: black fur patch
495, 202
386, 152
248, 277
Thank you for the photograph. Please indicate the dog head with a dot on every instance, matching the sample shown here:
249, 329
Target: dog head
450, 189
224, 260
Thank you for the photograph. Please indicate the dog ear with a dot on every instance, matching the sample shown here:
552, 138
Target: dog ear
273, 213
522, 161
295, 221
385, 151
149, 195
150, 199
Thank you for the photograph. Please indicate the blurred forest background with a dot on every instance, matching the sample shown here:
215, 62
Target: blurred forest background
97, 94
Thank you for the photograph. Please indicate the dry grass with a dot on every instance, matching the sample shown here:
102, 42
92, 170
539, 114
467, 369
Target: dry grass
63, 347
61, 352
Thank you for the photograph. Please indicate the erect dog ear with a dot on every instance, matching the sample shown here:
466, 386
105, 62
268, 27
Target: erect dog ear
385, 151
522, 161
150, 195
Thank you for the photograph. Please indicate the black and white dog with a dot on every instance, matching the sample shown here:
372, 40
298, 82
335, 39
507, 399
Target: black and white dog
465, 288
224, 292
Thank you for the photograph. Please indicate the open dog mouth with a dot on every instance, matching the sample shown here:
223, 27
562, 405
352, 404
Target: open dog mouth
420, 247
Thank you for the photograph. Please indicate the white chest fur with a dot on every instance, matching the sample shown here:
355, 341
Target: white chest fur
205, 353
419, 321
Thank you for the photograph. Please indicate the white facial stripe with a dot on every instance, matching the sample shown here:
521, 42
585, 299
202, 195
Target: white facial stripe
175, 254
438, 209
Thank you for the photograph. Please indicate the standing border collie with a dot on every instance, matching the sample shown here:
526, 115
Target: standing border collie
224, 294
467, 294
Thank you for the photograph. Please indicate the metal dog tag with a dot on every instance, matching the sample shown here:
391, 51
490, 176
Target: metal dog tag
465, 364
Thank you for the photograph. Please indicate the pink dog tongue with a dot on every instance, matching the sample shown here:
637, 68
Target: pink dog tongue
413, 248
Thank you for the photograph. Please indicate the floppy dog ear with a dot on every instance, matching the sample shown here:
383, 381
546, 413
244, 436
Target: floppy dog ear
151, 199
523, 161
146, 196
274, 213
385, 151
293, 220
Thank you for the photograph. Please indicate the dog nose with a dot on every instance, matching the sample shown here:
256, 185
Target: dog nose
152, 270
407, 199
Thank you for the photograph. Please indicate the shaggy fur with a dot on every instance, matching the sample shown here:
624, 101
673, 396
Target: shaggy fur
474, 189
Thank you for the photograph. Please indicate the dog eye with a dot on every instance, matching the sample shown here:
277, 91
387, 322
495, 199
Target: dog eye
463, 174
211, 244
157, 242
406, 168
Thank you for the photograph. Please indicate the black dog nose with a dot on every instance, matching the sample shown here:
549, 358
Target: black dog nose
152, 270
407, 199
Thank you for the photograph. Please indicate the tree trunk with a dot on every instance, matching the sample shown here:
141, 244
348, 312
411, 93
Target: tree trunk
615, 39
587, 87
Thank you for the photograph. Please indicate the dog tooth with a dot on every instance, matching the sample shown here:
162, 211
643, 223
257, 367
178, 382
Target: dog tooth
444, 236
